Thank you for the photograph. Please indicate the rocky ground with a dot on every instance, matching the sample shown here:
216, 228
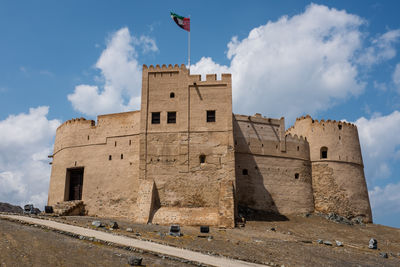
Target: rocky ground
291, 242
22, 245
6, 207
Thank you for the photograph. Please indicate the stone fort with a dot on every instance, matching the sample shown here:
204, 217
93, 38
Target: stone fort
186, 158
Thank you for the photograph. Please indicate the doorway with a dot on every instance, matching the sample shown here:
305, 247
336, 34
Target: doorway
74, 184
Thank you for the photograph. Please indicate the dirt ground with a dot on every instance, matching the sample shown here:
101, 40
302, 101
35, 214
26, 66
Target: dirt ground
22, 245
291, 243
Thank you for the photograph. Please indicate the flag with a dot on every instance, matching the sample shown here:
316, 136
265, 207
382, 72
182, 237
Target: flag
182, 22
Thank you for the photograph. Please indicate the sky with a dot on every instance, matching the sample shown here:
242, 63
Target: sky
334, 60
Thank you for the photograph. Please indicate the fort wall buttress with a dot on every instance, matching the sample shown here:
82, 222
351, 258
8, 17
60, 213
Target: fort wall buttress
273, 171
108, 156
337, 167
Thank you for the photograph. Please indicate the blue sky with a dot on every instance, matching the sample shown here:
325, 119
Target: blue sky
330, 59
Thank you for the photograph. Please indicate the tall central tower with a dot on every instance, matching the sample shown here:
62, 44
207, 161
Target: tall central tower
186, 146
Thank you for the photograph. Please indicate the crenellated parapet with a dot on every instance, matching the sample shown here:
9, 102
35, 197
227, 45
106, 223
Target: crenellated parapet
163, 70
323, 122
77, 122
266, 136
82, 132
340, 138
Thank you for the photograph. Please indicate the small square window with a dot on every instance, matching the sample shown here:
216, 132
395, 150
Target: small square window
171, 118
155, 117
210, 115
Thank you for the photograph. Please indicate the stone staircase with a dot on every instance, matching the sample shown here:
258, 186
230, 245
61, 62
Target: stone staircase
69, 208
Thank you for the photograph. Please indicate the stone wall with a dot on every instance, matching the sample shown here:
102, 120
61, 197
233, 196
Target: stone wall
273, 171
109, 184
338, 176
171, 153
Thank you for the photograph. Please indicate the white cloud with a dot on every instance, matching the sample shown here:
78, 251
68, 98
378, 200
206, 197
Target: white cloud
385, 201
380, 86
121, 74
396, 77
148, 44
207, 65
382, 48
27, 139
380, 141
296, 65
300, 64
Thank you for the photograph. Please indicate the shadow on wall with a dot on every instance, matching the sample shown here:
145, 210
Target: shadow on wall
255, 202
156, 204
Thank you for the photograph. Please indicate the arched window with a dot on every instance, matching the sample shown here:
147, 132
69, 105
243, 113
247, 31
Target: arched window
245, 172
172, 95
324, 152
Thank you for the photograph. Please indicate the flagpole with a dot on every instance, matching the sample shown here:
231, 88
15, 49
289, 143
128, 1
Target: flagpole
189, 48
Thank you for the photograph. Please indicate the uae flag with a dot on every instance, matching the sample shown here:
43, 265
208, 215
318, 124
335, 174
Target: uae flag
182, 22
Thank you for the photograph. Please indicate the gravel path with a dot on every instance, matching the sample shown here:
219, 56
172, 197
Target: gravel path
140, 244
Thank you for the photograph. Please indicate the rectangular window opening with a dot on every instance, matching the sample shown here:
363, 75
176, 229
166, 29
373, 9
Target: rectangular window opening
155, 117
171, 118
210, 115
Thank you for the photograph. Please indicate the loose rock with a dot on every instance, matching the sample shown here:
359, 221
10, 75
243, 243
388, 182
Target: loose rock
339, 244
129, 229
337, 218
135, 261
97, 224
320, 241
383, 255
328, 243
373, 244
114, 225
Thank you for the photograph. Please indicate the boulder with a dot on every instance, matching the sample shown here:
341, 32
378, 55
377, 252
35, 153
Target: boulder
135, 261
97, 224
114, 225
373, 244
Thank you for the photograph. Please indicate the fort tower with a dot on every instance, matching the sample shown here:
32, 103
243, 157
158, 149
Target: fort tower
337, 167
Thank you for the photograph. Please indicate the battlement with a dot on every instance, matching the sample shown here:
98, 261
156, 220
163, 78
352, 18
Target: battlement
323, 122
78, 121
258, 118
296, 138
164, 67
225, 77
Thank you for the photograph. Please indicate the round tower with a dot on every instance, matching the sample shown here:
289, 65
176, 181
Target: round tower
337, 167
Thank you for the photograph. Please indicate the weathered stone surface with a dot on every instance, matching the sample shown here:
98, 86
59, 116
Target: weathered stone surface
185, 158
337, 178
69, 208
